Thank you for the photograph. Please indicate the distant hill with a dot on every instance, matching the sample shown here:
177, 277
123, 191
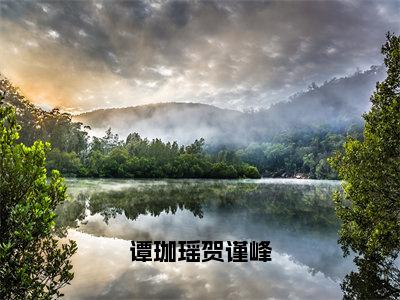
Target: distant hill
337, 103
183, 122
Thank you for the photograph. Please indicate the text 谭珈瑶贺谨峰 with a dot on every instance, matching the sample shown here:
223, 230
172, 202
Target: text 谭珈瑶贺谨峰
201, 251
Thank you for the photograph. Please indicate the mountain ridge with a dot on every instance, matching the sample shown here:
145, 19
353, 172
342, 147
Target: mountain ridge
337, 103
151, 105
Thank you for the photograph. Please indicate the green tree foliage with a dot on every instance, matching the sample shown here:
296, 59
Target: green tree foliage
303, 152
33, 263
108, 156
141, 158
284, 155
370, 208
66, 162
37, 124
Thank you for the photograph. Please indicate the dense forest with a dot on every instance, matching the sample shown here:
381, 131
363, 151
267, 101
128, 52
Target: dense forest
141, 158
289, 153
299, 153
75, 154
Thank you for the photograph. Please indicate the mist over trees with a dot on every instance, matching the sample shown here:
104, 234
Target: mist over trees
74, 154
298, 153
140, 158
289, 139
337, 104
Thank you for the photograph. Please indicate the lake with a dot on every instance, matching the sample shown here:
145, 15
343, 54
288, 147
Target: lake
295, 215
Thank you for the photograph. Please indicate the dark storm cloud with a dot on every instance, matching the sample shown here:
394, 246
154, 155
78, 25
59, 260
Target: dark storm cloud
260, 52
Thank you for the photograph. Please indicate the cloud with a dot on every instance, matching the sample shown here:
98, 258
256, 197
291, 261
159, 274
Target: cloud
94, 54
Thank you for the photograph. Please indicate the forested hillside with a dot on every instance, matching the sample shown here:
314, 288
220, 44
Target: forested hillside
337, 104
73, 153
287, 140
301, 154
182, 122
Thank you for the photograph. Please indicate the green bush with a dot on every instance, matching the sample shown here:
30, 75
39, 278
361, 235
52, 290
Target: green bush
34, 264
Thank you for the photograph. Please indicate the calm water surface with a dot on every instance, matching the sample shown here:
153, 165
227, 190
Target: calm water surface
295, 215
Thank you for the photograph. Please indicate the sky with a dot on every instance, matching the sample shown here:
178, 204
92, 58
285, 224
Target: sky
84, 55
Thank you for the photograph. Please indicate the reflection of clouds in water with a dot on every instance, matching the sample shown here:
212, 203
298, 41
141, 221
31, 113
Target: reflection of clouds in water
181, 225
292, 214
319, 252
103, 270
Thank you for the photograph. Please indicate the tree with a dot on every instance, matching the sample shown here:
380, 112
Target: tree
34, 264
370, 170
68, 163
196, 147
376, 278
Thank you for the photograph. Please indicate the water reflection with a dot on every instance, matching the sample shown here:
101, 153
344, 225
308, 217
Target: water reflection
298, 219
375, 278
296, 207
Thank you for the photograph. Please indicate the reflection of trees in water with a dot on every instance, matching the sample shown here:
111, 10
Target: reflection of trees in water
70, 212
376, 278
289, 214
299, 208
295, 207
152, 200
